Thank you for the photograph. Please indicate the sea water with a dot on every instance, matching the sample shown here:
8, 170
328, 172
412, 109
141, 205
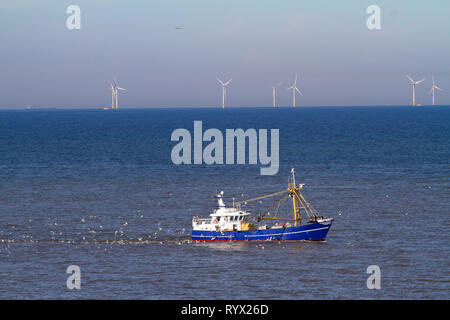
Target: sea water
97, 189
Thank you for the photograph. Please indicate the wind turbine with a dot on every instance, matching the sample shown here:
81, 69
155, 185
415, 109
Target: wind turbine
113, 96
414, 83
294, 89
115, 89
273, 93
434, 86
223, 90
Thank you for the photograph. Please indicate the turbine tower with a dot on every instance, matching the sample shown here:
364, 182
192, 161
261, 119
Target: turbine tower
273, 93
115, 94
294, 89
414, 83
223, 90
433, 87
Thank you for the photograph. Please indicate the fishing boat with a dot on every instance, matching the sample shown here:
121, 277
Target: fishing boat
235, 224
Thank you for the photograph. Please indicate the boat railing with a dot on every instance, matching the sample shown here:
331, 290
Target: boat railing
198, 220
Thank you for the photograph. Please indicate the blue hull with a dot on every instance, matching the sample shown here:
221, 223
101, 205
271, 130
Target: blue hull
313, 232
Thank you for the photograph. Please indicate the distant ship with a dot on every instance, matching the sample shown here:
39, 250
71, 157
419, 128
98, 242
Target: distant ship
234, 224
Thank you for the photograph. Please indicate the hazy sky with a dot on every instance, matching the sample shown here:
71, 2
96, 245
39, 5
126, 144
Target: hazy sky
255, 42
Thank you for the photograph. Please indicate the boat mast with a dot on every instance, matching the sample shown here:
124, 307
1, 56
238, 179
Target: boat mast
293, 193
298, 202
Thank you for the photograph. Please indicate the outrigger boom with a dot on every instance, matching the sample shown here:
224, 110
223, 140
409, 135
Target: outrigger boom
298, 202
232, 223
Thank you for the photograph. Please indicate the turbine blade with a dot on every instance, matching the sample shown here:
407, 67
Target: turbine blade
220, 81
228, 82
410, 79
420, 81
298, 91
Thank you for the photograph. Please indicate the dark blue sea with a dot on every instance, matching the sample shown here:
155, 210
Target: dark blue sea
98, 189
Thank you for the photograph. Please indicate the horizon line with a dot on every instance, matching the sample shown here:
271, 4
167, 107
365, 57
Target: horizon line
214, 107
